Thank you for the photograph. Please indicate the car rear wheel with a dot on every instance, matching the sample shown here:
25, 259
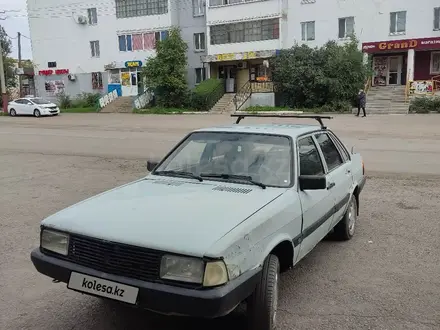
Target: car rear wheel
37, 113
345, 229
12, 113
262, 305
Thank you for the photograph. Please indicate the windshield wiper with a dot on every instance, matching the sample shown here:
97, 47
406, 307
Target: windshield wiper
180, 174
233, 176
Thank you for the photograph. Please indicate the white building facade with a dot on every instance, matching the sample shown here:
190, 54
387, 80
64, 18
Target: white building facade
104, 43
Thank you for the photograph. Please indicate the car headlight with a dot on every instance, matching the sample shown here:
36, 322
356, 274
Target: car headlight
193, 270
184, 269
55, 241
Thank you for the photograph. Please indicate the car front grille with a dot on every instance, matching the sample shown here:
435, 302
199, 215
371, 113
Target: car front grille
115, 258
52, 108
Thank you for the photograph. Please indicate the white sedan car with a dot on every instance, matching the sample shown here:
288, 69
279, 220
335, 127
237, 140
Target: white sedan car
32, 106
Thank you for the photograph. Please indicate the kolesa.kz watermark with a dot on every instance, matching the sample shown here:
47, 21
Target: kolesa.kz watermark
92, 285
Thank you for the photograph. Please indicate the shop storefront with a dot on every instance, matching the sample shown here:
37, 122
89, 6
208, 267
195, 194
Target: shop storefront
125, 78
239, 68
397, 62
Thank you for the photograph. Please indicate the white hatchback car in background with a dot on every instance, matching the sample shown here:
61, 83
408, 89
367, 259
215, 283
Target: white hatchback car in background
32, 106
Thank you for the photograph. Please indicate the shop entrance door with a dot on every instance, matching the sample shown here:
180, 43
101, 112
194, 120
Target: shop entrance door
229, 74
394, 70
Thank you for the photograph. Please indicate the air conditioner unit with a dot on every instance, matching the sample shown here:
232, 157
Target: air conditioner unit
242, 65
82, 20
71, 77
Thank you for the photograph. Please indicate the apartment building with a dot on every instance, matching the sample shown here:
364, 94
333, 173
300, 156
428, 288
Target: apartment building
102, 44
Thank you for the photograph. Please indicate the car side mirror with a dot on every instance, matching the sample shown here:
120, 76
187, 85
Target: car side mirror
312, 182
151, 165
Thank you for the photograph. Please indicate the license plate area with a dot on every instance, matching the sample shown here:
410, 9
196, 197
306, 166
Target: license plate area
103, 288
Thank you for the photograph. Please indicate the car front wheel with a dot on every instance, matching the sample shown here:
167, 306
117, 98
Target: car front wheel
37, 113
262, 305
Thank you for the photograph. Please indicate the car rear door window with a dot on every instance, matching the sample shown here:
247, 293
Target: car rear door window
331, 154
309, 160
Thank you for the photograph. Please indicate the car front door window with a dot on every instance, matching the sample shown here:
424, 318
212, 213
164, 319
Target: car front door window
339, 175
316, 204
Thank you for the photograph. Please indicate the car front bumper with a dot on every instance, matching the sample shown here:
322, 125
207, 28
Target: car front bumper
158, 297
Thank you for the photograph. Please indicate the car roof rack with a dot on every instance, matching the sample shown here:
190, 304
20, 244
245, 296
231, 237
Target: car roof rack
318, 118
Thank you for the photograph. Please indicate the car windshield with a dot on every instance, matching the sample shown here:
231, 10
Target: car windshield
261, 158
40, 101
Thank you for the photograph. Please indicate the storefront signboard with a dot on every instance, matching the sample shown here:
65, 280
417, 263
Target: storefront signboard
241, 56
133, 64
404, 44
421, 87
51, 72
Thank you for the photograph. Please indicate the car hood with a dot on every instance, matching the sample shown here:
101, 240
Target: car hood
168, 214
47, 105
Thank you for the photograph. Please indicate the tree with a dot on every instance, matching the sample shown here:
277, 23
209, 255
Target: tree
8, 62
166, 72
314, 77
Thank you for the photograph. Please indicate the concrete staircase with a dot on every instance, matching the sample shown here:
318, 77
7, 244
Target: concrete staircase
386, 100
225, 104
123, 104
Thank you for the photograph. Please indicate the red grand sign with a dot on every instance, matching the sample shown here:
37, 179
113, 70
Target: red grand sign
404, 44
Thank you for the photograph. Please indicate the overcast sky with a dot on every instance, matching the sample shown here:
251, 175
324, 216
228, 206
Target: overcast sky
16, 22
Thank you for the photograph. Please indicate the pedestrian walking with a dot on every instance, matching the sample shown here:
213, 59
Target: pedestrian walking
362, 101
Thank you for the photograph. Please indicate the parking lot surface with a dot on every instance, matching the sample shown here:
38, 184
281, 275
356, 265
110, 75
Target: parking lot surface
387, 277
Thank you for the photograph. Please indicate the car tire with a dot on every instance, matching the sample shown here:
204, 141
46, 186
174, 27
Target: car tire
37, 113
345, 229
262, 305
12, 112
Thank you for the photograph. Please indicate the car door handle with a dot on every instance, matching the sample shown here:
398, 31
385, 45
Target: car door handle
330, 185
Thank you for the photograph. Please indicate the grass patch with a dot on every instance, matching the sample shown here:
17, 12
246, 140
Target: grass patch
337, 108
2, 113
78, 110
162, 111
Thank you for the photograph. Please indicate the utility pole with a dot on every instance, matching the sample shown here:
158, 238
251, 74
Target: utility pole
3, 82
19, 63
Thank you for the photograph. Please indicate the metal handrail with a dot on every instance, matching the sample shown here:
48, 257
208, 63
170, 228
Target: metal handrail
215, 95
242, 95
435, 84
367, 85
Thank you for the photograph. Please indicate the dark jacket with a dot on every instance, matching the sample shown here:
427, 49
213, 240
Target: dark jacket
362, 99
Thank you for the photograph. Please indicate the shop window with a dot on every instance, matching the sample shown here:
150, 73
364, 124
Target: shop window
260, 73
94, 48
92, 16
133, 8
51, 64
437, 18
97, 80
398, 22
198, 7
115, 76
308, 31
435, 63
346, 27
125, 77
268, 29
200, 75
199, 41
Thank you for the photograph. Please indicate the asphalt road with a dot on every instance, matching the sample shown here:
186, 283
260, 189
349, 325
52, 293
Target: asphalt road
387, 277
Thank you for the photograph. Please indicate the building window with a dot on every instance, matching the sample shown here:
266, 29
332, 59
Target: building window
435, 63
200, 75
198, 7
398, 22
268, 29
140, 41
307, 31
51, 64
92, 16
346, 27
437, 18
94, 48
199, 41
97, 80
133, 8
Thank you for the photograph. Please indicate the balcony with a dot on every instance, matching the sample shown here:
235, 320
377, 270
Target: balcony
229, 11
